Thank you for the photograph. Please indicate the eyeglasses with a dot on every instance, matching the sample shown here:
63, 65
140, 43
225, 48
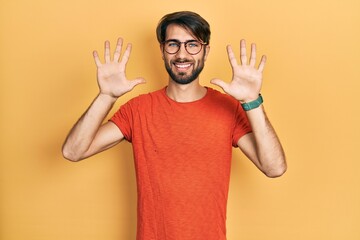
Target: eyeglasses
192, 46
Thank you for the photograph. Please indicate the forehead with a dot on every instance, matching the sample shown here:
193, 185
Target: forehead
177, 32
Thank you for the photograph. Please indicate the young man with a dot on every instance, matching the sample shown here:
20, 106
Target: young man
182, 135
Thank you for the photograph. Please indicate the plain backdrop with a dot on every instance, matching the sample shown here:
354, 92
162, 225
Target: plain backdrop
311, 88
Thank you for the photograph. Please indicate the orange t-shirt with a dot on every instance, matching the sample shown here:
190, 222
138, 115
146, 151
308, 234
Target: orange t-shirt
182, 155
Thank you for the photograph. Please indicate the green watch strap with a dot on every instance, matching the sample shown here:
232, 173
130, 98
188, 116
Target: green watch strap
253, 104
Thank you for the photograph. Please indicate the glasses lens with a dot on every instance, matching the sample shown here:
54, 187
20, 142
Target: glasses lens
171, 46
193, 47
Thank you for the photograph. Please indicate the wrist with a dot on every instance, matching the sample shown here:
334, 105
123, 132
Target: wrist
252, 104
251, 98
107, 98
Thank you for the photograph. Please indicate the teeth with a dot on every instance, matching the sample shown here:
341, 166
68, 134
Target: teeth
182, 65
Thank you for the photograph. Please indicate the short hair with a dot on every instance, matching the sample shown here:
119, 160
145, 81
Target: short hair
191, 21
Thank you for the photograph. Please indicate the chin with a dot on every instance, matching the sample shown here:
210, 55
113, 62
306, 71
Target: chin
183, 81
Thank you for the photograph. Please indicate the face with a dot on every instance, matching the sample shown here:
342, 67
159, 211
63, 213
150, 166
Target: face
183, 67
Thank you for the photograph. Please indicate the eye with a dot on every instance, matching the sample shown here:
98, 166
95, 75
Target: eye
193, 44
172, 44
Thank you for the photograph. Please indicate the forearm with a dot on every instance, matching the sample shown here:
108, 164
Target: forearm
270, 156
83, 132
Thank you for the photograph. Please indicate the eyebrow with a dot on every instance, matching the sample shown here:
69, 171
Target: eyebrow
176, 40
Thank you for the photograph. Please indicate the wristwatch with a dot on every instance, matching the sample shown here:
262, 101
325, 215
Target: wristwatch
253, 104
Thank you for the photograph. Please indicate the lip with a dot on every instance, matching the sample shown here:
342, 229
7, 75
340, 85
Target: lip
182, 66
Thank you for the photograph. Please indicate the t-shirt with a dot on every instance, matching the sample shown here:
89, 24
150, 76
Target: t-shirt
182, 154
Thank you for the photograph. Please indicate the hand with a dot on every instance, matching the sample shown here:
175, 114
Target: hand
111, 75
246, 80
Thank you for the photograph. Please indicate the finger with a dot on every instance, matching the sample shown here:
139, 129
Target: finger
243, 52
220, 83
231, 55
118, 50
137, 81
107, 52
253, 55
97, 59
262, 63
126, 56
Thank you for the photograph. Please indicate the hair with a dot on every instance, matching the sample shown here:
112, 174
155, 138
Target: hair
191, 21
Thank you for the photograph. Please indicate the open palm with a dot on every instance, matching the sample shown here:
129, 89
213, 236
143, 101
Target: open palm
111, 74
247, 79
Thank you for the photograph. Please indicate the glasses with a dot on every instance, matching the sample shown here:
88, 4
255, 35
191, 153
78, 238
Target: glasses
192, 46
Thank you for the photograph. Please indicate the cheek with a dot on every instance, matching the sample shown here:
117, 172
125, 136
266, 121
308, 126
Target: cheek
200, 61
164, 56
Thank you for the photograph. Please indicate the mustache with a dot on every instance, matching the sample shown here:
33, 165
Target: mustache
181, 60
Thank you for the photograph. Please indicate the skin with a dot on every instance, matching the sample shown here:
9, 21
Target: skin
193, 90
89, 136
183, 68
262, 146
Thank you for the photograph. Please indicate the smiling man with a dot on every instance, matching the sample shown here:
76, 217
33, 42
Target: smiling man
178, 63
182, 134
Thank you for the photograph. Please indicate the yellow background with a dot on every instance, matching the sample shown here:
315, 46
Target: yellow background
311, 91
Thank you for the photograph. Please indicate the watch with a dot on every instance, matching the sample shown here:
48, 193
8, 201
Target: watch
253, 104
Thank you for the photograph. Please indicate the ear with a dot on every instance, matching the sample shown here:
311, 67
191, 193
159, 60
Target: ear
207, 50
162, 51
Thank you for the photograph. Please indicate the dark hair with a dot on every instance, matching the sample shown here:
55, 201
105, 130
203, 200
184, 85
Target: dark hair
191, 21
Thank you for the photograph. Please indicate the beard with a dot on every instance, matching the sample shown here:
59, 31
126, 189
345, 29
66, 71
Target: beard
182, 77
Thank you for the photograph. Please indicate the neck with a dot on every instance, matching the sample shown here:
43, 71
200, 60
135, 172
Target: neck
185, 93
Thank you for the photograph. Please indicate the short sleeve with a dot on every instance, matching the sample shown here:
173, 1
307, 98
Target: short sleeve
123, 118
242, 125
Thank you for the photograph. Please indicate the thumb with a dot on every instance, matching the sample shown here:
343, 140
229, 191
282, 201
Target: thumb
137, 81
220, 83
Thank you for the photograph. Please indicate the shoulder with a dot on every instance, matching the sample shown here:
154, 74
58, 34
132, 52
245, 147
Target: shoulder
223, 99
146, 99
148, 96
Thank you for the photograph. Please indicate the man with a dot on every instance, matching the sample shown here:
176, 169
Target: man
183, 134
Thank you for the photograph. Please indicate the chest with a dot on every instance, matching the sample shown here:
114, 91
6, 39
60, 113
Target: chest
198, 123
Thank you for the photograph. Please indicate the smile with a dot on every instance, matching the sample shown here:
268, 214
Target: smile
182, 66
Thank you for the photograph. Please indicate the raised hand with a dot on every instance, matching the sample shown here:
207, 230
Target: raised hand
111, 74
247, 79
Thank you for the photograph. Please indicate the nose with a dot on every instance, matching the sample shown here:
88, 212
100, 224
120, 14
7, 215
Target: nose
182, 51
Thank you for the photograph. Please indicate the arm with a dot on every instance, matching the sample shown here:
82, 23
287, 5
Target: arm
262, 146
88, 136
